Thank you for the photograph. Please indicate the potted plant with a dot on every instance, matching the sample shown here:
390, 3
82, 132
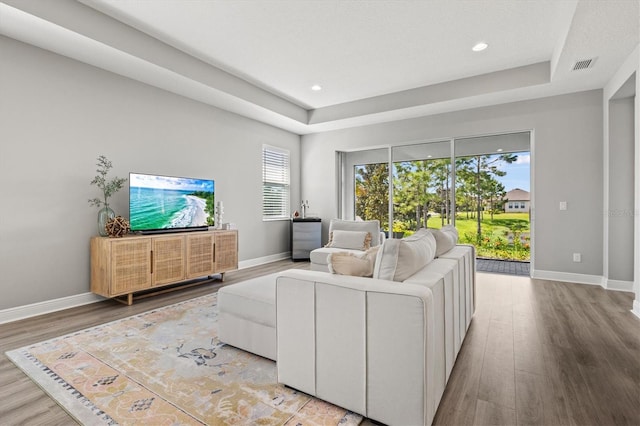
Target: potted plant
108, 188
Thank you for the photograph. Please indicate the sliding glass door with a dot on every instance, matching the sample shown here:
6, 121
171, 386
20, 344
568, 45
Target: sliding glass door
481, 185
493, 195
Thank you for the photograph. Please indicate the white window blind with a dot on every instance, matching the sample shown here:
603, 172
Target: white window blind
275, 183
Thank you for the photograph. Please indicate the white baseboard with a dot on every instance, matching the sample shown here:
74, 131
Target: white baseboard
263, 260
619, 285
48, 306
567, 277
636, 308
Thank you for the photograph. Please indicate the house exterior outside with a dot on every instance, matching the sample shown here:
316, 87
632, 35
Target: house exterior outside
517, 201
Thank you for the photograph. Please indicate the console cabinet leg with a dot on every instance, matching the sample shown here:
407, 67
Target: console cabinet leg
128, 301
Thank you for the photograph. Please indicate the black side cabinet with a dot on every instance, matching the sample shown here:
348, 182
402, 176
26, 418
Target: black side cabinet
306, 235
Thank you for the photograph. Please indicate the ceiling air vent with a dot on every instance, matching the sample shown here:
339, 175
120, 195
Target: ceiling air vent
584, 64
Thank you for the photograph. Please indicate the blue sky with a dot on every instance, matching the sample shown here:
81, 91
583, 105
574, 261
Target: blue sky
518, 173
168, 182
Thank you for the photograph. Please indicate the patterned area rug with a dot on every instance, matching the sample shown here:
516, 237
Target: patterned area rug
167, 367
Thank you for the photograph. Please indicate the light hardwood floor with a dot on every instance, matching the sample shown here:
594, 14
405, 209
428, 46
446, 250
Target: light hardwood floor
537, 353
546, 353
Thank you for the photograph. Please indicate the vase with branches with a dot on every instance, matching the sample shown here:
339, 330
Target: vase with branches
108, 188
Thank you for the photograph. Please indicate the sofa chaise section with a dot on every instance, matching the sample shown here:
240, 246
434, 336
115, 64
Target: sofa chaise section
247, 315
361, 343
381, 348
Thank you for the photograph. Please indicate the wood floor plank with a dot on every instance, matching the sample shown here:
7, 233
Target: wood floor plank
489, 414
497, 380
615, 328
458, 404
526, 338
550, 328
581, 407
530, 407
622, 408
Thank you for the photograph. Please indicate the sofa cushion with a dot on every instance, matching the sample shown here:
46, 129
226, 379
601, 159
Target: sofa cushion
372, 226
398, 259
445, 241
253, 299
357, 265
355, 240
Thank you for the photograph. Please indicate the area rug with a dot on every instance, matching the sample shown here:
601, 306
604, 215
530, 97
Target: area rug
167, 367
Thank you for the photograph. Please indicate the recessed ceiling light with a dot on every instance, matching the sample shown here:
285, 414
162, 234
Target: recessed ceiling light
499, 149
316, 87
480, 47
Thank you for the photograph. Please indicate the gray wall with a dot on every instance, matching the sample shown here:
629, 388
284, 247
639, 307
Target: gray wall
621, 196
57, 115
567, 166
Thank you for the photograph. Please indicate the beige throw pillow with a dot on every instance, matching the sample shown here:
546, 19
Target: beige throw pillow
357, 265
397, 260
354, 240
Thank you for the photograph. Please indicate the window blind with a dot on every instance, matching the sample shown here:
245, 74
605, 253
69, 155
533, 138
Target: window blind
275, 183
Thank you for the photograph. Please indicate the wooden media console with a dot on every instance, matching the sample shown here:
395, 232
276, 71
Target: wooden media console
124, 266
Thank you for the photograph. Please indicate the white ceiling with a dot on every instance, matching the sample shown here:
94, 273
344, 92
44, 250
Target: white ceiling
353, 49
383, 60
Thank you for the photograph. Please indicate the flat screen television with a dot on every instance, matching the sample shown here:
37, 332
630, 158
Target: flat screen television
167, 203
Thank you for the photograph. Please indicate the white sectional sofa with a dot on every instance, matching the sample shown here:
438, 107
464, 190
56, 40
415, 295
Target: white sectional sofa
381, 348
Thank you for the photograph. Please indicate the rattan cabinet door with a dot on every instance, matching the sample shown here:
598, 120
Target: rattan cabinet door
199, 255
168, 260
130, 265
226, 251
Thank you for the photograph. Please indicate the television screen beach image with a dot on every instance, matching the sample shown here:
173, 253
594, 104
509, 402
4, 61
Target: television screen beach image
165, 202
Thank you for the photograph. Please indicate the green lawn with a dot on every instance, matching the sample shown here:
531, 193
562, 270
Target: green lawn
494, 242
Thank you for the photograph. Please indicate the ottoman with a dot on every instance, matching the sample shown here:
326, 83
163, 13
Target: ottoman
247, 315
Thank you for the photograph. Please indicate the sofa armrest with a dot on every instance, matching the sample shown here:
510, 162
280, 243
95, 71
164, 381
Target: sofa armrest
360, 343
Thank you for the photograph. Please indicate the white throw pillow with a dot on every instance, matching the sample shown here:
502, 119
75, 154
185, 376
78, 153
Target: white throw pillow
452, 231
397, 260
355, 240
372, 226
357, 265
445, 241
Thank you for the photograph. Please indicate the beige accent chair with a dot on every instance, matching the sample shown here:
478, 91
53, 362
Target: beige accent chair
318, 257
